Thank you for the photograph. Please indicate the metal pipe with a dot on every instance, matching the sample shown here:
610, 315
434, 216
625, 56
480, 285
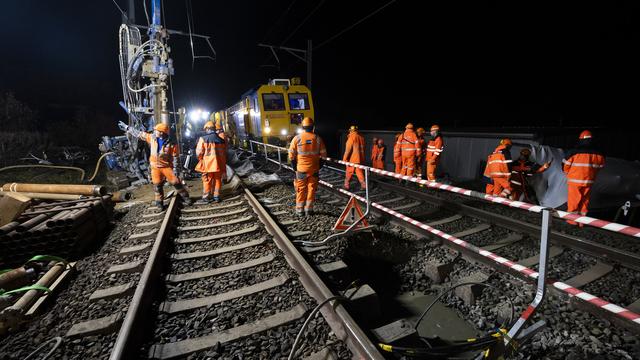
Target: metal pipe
45, 196
81, 206
7, 228
56, 188
30, 296
15, 278
32, 222
61, 203
121, 196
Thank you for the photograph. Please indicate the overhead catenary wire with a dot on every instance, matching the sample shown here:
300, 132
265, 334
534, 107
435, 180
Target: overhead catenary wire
354, 25
121, 11
303, 22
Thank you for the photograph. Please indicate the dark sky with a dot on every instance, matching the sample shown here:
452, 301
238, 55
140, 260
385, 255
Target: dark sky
479, 63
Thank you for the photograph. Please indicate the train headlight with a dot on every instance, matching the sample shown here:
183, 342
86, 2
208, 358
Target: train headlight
283, 132
267, 130
299, 131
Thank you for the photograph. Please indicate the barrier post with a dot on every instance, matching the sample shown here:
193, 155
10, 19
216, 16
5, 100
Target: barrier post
279, 160
251, 146
542, 279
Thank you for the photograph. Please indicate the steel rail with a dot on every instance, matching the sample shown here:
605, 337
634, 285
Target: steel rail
127, 345
336, 316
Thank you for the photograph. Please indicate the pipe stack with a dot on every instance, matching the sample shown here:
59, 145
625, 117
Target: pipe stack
63, 228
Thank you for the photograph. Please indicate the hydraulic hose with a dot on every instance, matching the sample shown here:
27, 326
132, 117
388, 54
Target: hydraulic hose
95, 172
82, 173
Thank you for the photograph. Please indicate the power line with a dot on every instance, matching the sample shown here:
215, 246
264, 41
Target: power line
121, 11
280, 18
354, 25
302, 23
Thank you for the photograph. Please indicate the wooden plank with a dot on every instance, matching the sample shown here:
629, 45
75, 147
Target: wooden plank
11, 206
173, 307
189, 346
34, 308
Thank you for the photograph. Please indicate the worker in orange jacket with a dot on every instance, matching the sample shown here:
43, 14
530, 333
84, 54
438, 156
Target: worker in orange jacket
420, 159
354, 153
378, 155
435, 146
397, 153
212, 162
374, 141
581, 165
499, 168
410, 150
522, 170
163, 156
306, 154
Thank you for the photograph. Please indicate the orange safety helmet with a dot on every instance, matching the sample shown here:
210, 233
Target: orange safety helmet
209, 125
506, 142
353, 128
307, 121
420, 131
586, 134
525, 152
164, 128
435, 128
409, 126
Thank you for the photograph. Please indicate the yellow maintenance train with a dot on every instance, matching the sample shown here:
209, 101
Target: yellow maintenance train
269, 113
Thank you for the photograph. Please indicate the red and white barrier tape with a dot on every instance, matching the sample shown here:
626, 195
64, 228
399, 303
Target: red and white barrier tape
612, 308
603, 224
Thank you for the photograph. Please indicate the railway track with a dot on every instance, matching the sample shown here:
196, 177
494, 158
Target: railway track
226, 283
585, 268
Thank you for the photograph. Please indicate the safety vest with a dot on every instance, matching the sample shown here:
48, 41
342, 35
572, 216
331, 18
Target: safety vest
307, 149
354, 150
211, 151
582, 166
163, 157
524, 169
434, 148
379, 152
409, 144
498, 164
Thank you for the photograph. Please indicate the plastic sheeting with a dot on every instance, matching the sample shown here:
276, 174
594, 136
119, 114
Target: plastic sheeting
260, 180
616, 183
244, 168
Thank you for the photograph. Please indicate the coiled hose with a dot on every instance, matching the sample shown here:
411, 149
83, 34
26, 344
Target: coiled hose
82, 173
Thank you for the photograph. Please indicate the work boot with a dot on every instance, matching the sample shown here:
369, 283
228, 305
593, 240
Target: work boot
308, 212
186, 200
299, 212
205, 200
216, 199
159, 204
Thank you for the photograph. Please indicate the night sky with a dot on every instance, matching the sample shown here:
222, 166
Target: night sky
460, 64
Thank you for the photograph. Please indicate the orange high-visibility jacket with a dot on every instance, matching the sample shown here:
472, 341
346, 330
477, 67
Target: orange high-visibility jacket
499, 163
160, 158
397, 150
434, 148
211, 154
354, 150
409, 144
582, 165
380, 152
307, 149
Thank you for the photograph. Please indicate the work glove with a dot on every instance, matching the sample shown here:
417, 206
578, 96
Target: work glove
123, 126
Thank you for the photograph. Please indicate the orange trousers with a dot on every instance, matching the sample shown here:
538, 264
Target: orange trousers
408, 165
359, 174
578, 200
489, 189
501, 187
398, 166
432, 165
378, 164
306, 185
419, 168
211, 183
158, 175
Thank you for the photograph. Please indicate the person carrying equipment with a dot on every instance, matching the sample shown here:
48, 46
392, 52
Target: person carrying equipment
397, 153
499, 168
410, 150
212, 162
378, 156
306, 154
354, 153
163, 156
523, 169
434, 152
581, 165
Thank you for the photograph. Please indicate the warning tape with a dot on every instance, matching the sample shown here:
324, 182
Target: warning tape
570, 290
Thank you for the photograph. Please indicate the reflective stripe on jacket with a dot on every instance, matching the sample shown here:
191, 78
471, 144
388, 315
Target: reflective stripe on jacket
397, 150
211, 152
307, 149
582, 166
499, 163
435, 148
354, 149
409, 144
160, 158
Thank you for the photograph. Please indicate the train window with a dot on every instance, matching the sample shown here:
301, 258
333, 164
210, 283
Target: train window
298, 101
273, 102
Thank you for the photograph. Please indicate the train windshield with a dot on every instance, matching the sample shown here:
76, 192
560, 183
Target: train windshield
298, 101
273, 102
